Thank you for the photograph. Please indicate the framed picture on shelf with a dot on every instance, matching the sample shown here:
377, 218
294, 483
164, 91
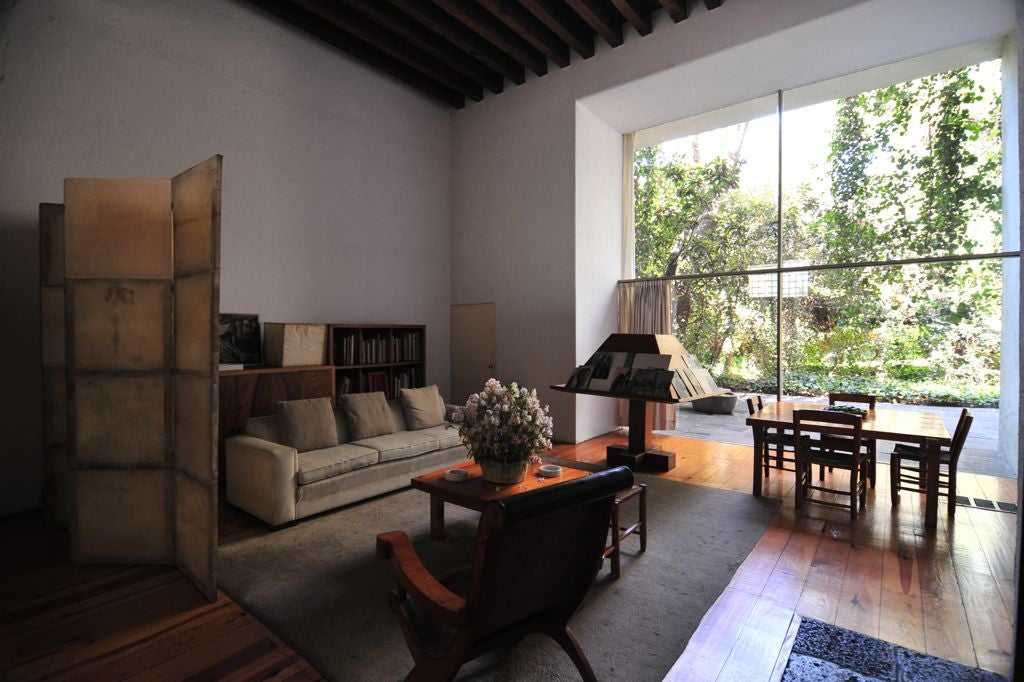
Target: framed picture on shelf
239, 339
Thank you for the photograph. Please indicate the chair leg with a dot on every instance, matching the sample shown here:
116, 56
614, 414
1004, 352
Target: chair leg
567, 640
894, 479
764, 459
854, 492
863, 493
799, 497
643, 517
951, 502
616, 542
874, 462
821, 472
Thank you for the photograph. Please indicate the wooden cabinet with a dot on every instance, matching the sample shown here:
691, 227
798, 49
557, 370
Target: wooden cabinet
384, 357
248, 393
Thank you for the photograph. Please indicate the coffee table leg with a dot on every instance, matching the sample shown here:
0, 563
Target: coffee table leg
436, 517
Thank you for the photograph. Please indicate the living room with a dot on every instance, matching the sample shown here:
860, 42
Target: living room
350, 197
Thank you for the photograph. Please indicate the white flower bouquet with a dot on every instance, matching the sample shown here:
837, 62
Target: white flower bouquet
504, 424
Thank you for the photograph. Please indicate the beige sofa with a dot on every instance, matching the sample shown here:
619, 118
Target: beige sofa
278, 484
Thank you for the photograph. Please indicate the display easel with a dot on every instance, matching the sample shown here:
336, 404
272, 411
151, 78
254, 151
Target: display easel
639, 452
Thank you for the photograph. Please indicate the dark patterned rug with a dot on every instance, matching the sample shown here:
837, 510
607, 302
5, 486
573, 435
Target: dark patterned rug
826, 653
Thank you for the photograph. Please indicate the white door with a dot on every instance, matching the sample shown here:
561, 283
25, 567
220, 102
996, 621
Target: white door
473, 349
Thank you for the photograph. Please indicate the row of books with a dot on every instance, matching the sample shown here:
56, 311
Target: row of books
378, 381
377, 350
345, 350
645, 375
405, 378
406, 348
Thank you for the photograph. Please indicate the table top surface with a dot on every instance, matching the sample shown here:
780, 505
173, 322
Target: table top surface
902, 425
475, 492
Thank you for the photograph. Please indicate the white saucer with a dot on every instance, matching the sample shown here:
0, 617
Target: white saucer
456, 475
549, 470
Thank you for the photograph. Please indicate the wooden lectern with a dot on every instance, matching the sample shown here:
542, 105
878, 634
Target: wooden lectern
640, 450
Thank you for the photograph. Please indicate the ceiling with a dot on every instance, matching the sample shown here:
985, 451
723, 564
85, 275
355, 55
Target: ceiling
454, 49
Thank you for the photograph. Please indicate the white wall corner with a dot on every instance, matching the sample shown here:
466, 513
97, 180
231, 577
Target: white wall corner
597, 254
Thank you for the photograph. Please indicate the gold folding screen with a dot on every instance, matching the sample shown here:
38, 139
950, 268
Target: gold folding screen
118, 278
196, 196
55, 406
142, 269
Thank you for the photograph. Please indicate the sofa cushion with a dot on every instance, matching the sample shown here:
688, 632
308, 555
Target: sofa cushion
447, 436
307, 424
316, 465
397, 415
423, 407
367, 415
266, 428
400, 445
339, 421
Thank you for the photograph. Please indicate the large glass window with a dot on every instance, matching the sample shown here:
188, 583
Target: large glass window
877, 210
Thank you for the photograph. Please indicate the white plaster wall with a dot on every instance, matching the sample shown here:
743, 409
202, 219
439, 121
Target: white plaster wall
336, 178
598, 185
1009, 371
513, 207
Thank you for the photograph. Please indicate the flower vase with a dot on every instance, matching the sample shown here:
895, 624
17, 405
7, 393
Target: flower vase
503, 473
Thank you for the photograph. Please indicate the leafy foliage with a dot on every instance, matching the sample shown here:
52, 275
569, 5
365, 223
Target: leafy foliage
912, 170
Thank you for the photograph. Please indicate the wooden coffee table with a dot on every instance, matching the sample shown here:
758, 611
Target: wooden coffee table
474, 492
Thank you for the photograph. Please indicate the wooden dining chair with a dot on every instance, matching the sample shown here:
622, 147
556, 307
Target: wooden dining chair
869, 443
830, 439
536, 556
912, 478
782, 442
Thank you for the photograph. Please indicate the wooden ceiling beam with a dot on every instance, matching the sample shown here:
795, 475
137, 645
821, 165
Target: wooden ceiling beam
348, 20
600, 18
453, 31
347, 42
564, 24
639, 18
495, 32
527, 27
392, 19
676, 9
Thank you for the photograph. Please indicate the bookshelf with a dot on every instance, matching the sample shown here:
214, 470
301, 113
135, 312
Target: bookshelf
377, 357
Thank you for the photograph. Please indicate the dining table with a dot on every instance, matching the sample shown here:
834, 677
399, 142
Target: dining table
906, 426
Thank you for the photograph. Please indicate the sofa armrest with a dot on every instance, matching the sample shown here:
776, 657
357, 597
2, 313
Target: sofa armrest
261, 478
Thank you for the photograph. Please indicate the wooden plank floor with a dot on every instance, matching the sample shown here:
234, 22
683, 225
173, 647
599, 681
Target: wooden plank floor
950, 594
60, 621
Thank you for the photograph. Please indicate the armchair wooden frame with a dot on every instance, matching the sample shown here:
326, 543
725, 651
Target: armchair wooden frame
912, 478
780, 440
870, 445
839, 445
500, 597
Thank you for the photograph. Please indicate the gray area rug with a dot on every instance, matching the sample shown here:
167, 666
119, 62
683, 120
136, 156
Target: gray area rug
319, 587
823, 652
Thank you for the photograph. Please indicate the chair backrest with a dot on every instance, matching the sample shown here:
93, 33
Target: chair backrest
861, 398
838, 431
963, 427
750, 405
537, 553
